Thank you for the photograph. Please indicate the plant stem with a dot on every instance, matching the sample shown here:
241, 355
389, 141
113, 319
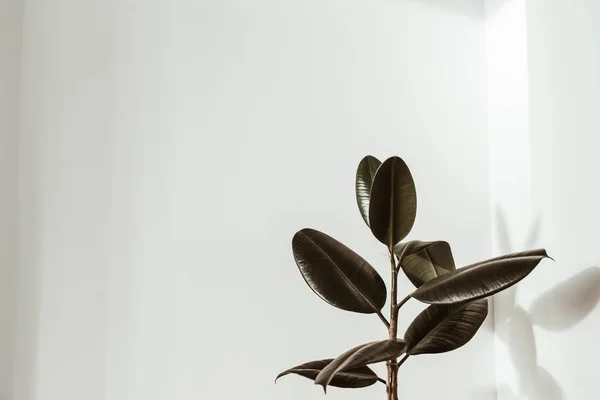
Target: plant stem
390, 394
392, 386
398, 306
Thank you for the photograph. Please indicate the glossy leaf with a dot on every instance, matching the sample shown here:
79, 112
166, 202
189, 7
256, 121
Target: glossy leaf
364, 180
424, 261
480, 280
353, 378
393, 205
337, 274
360, 356
445, 327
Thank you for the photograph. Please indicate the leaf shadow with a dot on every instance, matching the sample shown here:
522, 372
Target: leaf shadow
556, 310
514, 327
568, 303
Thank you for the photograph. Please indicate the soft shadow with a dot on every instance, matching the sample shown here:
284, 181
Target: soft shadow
558, 309
514, 327
569, 302
547, 387
534, 382
506, 393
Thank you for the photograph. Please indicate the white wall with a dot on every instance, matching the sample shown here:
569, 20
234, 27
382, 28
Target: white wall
513, 225
564, 65
65, 176
10, 45
545, 169
171, 151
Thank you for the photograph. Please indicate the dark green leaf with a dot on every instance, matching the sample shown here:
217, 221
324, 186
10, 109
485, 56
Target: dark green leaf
393, 206
480, 280
364, 180
337, 274
352, 378
360, 356
445, 327
424, 261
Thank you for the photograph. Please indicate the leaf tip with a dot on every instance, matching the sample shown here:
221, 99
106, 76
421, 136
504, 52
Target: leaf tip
324, 387
284, 373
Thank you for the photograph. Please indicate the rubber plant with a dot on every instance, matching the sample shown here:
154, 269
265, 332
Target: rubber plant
456, 297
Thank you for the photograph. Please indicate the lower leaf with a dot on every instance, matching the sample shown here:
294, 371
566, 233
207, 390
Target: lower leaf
441, 328
353, 378
361, 356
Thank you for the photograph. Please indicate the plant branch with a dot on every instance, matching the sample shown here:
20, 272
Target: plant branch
404, 300
398, 306
397, 263
383, 319
403, 360
399, 257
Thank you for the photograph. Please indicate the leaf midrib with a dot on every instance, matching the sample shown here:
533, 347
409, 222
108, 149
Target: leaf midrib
372, 170
342, 372
343, 274
391, 216
344, 364
436, 326
461, 271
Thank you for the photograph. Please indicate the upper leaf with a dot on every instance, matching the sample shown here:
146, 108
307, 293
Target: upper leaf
481, 279
424, 261
364, 181
360, 356
393, 206
445, 327
337, 274
352, 378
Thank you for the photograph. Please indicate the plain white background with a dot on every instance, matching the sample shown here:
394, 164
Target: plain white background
555, 327
10, 27
167, 153
544, 96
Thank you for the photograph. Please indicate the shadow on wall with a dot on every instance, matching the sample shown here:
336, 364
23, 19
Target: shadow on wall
556, 310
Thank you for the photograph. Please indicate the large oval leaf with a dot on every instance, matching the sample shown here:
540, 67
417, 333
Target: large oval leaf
364, 181
445, 327
393, 205
353, 378
360, 356
481, 279
424, 261
337, 274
